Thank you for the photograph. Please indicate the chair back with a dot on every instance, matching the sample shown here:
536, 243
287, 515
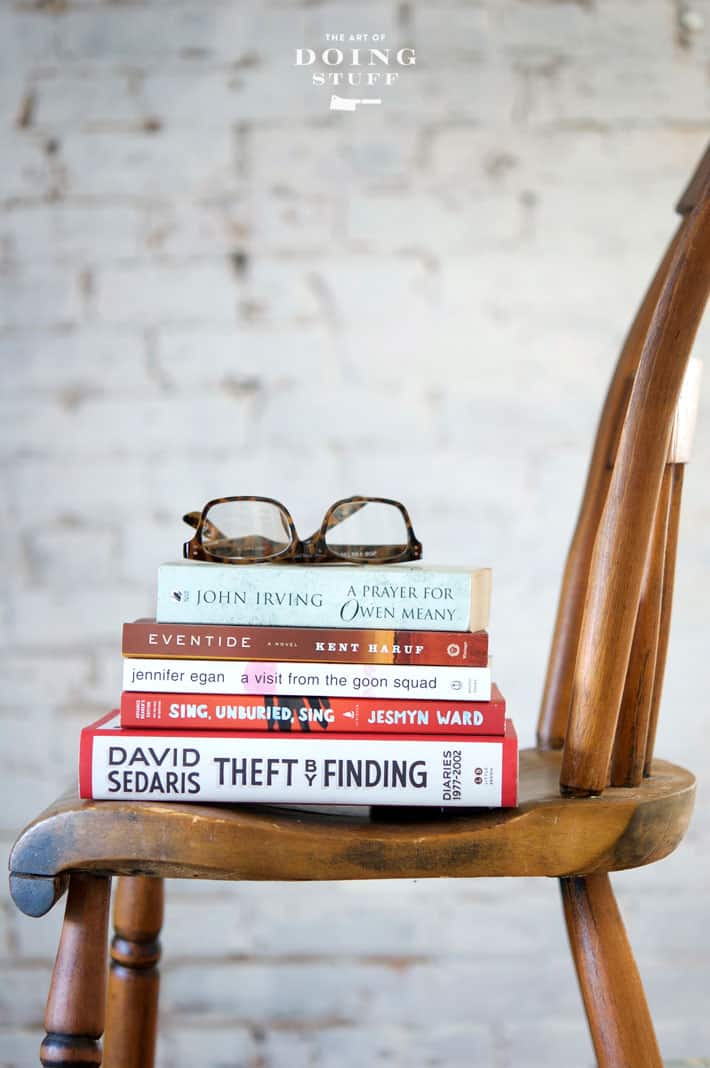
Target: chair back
604, 678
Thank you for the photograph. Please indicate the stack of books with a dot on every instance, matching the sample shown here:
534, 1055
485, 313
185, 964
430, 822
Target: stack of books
336, 684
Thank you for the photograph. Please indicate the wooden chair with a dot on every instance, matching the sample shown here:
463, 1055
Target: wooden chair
592, 798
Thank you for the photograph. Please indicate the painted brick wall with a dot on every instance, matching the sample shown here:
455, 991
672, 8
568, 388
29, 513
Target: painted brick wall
211, 284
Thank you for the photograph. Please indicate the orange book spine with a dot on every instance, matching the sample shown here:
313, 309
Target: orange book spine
194, 641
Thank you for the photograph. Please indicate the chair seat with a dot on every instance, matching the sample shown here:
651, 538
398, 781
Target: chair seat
546, 835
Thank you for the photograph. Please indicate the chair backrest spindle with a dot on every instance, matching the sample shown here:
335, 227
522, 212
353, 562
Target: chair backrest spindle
633, 744
678, 455
677, 472
629, 752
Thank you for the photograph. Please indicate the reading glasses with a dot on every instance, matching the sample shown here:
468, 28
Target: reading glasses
249, 530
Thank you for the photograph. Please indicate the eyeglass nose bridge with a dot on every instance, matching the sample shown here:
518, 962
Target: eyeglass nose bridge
313, 546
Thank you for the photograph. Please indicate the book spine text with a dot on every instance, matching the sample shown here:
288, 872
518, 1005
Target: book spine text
146, 638
336, 715
394, 597
294, 678
221, 767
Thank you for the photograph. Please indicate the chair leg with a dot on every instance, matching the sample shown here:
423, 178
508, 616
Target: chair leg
74, 1019
619, 1020
134, 979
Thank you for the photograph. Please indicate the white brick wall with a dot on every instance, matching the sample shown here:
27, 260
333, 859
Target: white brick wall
210, 284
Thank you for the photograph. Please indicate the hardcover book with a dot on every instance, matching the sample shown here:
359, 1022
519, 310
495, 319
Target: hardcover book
394, 596
146, 638
294, 678
336, 715
237, 766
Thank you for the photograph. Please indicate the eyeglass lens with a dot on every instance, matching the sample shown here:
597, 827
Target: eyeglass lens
246, 530
366, 531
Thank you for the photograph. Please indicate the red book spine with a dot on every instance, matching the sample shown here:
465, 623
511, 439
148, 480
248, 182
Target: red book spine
316, 715
146, 638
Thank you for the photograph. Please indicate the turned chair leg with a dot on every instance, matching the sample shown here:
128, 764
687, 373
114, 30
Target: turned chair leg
74, 1019
619, 1020
134, 979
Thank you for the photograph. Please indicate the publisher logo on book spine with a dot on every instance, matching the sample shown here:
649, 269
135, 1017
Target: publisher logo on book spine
355, 70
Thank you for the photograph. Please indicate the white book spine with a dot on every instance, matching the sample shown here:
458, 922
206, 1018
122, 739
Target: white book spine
153, 767
293, 679
393, 596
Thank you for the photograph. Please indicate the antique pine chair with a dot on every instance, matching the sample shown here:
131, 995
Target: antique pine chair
592, 798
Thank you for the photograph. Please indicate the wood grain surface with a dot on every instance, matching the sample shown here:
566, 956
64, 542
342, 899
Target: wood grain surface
557, 691
134, 981
546, 835
622, 541
678, 472
631, 737
74, 1018
619, 1020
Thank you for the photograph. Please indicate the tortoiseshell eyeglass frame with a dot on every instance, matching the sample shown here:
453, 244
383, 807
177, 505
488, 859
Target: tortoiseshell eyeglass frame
314, 550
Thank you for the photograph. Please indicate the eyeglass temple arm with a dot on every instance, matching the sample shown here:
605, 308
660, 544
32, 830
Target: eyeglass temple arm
193, 520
